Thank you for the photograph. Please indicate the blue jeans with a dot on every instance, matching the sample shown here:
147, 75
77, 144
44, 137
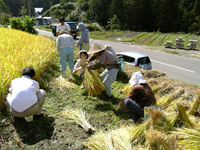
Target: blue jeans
134, 109
66, 55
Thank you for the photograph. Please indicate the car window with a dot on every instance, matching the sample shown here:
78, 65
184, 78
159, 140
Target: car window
72, 25
143, 60
127, 58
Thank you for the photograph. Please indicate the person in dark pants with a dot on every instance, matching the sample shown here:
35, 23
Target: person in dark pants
140, 97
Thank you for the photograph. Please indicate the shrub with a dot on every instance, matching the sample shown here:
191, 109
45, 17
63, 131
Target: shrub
26, 24
94, 27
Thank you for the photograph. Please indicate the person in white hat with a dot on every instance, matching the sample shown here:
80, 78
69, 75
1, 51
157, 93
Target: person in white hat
140, 97
106, 60
65, 46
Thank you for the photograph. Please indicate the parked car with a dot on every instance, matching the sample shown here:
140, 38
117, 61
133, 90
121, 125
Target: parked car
74, 31
135, 59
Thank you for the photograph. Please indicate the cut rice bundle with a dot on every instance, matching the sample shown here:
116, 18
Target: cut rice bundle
78, 116
63, 84
188, 138
158, 140
195, 104
100, 140
92, 82
127, 89
182, 116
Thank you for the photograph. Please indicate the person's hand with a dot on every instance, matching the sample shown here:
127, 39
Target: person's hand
74, 72
88, 66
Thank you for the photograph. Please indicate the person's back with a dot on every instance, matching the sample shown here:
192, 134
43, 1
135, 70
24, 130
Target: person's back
24, 92
65, 40
24, 97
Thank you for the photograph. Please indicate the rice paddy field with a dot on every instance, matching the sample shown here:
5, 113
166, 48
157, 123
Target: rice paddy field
77, 120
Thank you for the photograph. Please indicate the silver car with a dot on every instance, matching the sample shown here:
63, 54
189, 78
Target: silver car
135, 59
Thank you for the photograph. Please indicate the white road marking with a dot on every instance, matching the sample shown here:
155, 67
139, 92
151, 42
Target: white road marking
172, 66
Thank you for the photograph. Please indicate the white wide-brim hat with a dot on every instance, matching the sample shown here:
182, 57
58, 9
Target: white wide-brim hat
137, 78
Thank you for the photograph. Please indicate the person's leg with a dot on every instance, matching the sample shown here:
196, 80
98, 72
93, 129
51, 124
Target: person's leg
70, 58
134, 109
109, 78
33, 110
63, 58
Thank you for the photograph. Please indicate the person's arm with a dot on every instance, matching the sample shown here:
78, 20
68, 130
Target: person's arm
91, 58
58, 43
83, 34
96, 66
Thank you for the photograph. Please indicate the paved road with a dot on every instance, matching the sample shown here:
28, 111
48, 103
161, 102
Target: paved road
177, 67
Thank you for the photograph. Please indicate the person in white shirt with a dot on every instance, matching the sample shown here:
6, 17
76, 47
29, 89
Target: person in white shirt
65, 46
25, 98
62, 26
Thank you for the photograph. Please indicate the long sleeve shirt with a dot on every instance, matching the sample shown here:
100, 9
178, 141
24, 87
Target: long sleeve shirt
143, 95
64, 40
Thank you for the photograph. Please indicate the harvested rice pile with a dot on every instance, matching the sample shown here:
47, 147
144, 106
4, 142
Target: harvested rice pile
92, 82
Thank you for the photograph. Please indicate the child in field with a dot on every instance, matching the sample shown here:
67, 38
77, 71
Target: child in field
80, 64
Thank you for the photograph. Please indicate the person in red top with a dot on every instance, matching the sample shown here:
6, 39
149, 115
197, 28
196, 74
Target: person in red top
140, 97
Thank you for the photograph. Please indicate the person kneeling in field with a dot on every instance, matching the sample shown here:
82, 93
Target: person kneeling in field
140, 97
106, 60
25, 98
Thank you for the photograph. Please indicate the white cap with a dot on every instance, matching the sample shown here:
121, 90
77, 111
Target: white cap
137, 78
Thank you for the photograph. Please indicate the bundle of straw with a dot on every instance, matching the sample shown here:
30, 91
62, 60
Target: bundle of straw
127, 89
156, 88
92, 82
188, 138
119, 139
63, 84
158, 140
100, 141
183, 117
195, 104
78, 116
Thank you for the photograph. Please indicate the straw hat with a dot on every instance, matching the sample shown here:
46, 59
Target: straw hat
137, 78
95, 48
63, 31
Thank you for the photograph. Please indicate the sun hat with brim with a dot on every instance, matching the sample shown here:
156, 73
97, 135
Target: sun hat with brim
95, 48
137, 78
63, 31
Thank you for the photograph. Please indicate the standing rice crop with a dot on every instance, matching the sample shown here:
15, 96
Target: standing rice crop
92, 82
20, 49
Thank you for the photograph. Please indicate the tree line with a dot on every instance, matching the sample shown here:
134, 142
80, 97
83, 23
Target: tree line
134, 15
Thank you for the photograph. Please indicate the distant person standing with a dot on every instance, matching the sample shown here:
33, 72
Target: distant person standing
62, 26
83, 42
65, 46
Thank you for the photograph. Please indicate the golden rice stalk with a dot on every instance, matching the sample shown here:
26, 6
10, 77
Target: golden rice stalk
156, 88
152, 81
183, 117
127, 89
78, 116
195, 104
63, 84
157, 140
188, 138
162, 100
173, 96
121, 139
138, 131
166, 89
100, 141
152, 73
92, 82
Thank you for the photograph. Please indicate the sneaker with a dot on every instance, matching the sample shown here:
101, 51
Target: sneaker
36, 117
